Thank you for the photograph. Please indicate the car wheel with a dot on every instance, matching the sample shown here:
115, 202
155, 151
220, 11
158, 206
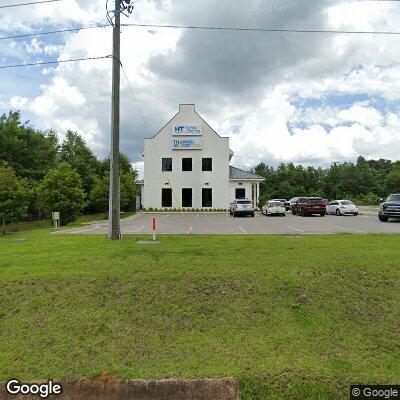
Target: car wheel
303, 212
283, 215
252, 215
382, 218
234, 214
322, 214
293, 212
338, 212
230, 212
355, 214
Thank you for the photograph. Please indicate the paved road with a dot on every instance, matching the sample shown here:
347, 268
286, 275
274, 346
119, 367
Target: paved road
223, 223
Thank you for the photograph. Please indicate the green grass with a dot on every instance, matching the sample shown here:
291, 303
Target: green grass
289, 317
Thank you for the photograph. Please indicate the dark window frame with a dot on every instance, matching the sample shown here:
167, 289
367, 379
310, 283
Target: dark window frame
206, 203
163, 204
206, 164
166, 164
184, 166
242, 190
191, 198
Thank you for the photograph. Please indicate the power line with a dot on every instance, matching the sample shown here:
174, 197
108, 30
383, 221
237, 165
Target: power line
52, 62
279, 30
24, 35
29, 4
77, 29
134, 98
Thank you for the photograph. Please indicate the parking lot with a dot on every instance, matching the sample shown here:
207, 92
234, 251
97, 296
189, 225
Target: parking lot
223, 223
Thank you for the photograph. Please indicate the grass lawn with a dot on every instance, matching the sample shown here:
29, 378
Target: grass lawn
289, 317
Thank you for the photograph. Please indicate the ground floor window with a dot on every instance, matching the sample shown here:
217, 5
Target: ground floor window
186, 197
166, 198
240, 193
206, 198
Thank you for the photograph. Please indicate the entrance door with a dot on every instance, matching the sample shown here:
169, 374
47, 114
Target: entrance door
187, 198
240, 193
166, 198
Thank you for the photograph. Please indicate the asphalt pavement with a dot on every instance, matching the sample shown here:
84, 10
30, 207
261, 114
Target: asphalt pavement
223, 223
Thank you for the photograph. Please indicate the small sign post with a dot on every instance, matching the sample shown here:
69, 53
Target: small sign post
154, 229
56, 219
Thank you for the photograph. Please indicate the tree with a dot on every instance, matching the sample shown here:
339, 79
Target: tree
61, 190
98, 198
14, 195
99, 195
77, 154
29, 152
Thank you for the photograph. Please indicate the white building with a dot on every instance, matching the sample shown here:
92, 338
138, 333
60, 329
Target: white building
186, 165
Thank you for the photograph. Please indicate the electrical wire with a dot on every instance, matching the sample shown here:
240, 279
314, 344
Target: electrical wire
29, 4
278, 30
77, 29
52, 62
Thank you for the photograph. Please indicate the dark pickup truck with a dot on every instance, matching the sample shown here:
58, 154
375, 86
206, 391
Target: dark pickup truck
389, 208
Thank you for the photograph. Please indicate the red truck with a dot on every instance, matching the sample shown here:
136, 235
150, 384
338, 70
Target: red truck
309, 205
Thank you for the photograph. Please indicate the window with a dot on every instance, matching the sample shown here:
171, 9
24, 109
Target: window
186, 164
207, 164
187, 197
240, 194
206, 198
167, 164
166, 198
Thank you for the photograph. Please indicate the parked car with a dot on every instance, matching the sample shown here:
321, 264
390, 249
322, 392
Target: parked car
241, 207
291, 203
389, 208
274, 207
341, 207
309, 205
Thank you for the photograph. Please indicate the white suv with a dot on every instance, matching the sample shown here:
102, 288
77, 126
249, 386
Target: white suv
241, 207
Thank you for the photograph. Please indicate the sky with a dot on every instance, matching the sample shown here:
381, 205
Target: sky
311, 99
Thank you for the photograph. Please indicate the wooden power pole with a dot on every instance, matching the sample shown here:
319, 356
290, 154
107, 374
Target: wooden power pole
114, 229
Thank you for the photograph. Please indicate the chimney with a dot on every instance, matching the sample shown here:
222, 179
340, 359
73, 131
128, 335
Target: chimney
186, 108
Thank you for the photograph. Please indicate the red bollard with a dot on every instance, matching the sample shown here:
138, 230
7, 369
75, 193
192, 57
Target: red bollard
154, 229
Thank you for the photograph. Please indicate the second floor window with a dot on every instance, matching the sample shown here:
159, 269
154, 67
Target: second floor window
167, 164
186, 164
207, 164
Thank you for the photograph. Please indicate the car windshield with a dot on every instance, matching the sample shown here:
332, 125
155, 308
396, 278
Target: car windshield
393, 197
244, 202
347, 203
315, 200
275, 203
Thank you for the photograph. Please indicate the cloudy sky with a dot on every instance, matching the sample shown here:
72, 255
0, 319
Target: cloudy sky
307, 98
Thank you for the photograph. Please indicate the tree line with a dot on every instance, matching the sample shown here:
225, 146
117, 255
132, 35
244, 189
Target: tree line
364, 182
39, 174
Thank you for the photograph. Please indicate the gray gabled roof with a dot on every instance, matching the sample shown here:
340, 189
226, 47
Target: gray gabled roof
239, 174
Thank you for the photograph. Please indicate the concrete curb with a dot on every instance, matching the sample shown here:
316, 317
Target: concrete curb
106, 388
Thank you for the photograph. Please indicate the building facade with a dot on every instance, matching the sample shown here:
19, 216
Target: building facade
186, 166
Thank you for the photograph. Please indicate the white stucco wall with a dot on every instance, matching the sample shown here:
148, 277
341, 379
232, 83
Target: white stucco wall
160, 146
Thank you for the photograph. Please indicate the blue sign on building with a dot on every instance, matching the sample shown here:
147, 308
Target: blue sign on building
187, 130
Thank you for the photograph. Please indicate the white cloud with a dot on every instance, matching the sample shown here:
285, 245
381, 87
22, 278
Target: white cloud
248, 86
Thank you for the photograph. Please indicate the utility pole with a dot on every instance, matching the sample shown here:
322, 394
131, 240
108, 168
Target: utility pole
124, 7
114, 229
